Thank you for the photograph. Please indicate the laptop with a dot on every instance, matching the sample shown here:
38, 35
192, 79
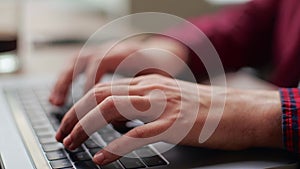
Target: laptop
28, 124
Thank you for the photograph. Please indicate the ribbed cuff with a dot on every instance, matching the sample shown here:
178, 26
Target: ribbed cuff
290, 101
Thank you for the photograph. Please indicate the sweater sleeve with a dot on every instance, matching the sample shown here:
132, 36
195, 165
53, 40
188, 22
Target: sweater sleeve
242, 35
290, 100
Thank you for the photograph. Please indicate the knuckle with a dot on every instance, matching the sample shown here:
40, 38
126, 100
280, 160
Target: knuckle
102, 90
108, 103
113, 147
154, 76
156, 86
101, 93
63, 129
139, 132
66, 125
101, 85
81, 58
91, 93
78, 131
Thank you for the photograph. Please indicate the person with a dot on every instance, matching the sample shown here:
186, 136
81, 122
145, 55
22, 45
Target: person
256, 34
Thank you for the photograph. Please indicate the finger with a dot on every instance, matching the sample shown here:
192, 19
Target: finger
123, 81
94, 73
89, 102
79, 110
134, 139
109, 62
61, 87
71, 118
100, 116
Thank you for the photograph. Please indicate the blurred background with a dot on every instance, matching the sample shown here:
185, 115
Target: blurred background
37, 35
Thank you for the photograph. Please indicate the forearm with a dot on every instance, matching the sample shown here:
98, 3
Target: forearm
268, 125
259, 114
250, 118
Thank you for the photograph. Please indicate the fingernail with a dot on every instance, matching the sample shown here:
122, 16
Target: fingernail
52, 99
54, 96
56, 102
99, 158
59, 99
67, 141
71, 147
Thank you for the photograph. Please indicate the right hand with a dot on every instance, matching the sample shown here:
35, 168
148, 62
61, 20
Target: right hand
94, 67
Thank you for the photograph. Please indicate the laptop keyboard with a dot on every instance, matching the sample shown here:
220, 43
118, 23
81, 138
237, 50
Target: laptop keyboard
45, 120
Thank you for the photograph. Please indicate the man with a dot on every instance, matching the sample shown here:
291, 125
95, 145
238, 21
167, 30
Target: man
260, 33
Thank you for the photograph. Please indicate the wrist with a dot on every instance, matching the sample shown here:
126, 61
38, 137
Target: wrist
268, 128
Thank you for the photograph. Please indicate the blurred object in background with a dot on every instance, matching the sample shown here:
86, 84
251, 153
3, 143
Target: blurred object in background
227, 2
47, 28
61, 22
65, 21
34, 33
183, 9
9, 59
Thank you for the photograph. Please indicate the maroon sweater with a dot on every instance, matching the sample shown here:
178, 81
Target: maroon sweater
264, 33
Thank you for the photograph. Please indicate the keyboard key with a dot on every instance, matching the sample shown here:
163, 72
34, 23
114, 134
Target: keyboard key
58, 164
94, 151
91, 144
42, 133
106, 129
85, 165
32, 115
58, 115
46, 136
39, 123
55, 125
38, 119
130, 163
77, 150
154, 161
145, 152
47, 140
81, 156
56, 155
109, 137
41, 126
52, 147
113, 165
149, 157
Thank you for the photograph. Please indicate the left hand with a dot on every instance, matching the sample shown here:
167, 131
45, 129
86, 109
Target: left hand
250, 118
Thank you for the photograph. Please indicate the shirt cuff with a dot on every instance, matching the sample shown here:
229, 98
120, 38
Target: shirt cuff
290, 101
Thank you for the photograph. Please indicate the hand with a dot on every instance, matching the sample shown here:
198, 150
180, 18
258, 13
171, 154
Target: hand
250, 118
95, 65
